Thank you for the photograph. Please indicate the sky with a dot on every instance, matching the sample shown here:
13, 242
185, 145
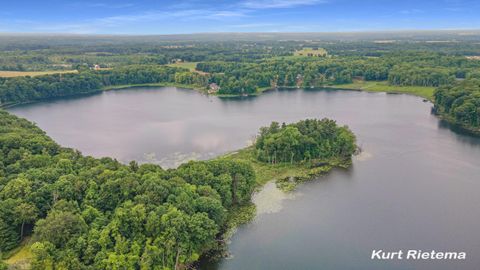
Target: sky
196, 16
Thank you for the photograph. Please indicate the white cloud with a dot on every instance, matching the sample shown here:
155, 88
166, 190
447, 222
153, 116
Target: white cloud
264, 4
227, 13
187, 11
98, 25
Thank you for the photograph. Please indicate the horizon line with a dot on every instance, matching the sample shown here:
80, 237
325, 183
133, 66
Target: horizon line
246, 32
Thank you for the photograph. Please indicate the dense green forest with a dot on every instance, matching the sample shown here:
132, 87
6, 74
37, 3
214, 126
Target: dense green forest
304, 141
88, 213
460, 102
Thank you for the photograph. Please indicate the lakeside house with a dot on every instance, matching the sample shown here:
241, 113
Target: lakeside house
175, 61
299, 80
213, 88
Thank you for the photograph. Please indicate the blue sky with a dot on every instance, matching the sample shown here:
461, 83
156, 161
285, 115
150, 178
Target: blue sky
195, 16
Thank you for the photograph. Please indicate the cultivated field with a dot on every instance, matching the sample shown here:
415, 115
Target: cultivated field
320, 52
188, 65
383, 86
9, 74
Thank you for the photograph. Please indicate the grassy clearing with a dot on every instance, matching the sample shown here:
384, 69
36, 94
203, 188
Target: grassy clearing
21, 255
10, 74
188, 65
383, 86
311, 52
126, 86
287, 176
264, 171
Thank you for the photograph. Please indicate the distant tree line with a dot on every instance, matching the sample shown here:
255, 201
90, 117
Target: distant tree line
32, 54
26, 89
247, 77
409, 69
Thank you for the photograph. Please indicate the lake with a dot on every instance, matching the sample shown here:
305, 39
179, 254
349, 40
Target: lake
415, 185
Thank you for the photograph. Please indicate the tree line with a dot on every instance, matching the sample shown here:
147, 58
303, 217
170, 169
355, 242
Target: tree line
247, 77
27, 89
406, 69
30, 54
233, 78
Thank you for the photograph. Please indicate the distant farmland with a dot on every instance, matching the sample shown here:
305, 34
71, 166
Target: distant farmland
189, 65
192, 66
10, 74
320, 52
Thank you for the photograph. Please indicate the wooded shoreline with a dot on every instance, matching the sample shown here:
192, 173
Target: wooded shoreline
240, 171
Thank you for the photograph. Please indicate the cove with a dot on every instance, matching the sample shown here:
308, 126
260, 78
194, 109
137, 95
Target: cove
415, 185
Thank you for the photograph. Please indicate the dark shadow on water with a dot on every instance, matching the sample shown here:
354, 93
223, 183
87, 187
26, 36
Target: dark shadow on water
333, 175
306, 91
237, 98
461, 134
58, 99
328, 90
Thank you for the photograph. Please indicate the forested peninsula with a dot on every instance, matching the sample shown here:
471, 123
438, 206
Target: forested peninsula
81, 212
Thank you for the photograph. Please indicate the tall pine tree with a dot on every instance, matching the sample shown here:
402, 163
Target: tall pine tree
8, 237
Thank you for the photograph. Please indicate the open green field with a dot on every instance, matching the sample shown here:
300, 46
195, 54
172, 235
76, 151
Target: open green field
266, 172
125, 86
21, 255
281, 172
383, 86
311, 52
10, 74
189, 65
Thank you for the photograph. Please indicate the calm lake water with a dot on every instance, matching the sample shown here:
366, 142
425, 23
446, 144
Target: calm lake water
415, 186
